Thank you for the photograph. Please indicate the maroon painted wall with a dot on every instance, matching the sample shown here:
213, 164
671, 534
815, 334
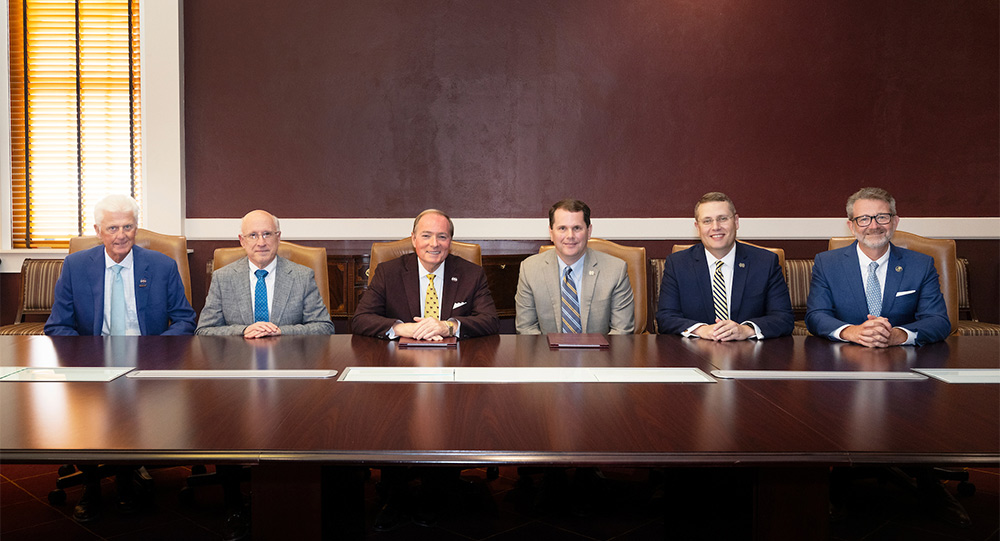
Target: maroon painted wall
496, 109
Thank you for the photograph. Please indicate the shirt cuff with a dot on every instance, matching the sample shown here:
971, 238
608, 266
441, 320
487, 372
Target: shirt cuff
391, 334
835, 335
756, 330
689, 332
911, 337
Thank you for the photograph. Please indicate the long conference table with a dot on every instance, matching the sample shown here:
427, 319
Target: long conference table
297, 431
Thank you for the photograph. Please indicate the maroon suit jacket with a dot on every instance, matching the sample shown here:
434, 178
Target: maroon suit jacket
394, 296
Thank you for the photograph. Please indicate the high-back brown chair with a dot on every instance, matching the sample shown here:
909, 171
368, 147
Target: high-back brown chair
174, 246
36, 295
635, 259
313, 257
777, 251
387, 251
945, 261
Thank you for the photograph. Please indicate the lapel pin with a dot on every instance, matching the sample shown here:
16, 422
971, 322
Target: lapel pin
742, 265
591, 273
142, 282
899, 269
454, 278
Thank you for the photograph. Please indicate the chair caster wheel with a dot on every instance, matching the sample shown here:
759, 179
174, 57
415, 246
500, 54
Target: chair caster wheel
966, 488
186, 496
57, 497
66, 469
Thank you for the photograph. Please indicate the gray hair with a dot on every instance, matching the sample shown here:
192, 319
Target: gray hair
116, 203
451, 224
877, 194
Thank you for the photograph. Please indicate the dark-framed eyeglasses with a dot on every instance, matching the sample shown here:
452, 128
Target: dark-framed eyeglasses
865, 219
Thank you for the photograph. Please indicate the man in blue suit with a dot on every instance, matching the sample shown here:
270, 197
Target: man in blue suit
721, 289
117, 289
872, 292
86, 296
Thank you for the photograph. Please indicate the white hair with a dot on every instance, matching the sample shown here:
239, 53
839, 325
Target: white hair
115, 203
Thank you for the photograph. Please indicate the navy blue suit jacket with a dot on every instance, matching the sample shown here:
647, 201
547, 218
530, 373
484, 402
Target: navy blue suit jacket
911, 298
759, 293
159, 295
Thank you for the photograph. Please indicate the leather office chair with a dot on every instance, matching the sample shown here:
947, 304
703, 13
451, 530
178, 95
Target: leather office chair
387, 251
174, 246
945, 261
36, 295
777, 251
635, 259
313, 257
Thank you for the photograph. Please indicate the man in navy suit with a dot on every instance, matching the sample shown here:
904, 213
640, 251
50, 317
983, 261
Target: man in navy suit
872, 292
117, 289
720, 289
85, 295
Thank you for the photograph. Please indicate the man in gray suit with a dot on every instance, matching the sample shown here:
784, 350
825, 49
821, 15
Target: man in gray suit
573, 288
263, 294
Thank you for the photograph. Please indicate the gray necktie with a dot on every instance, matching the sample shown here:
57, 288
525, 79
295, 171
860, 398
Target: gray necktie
117, 302
873, 290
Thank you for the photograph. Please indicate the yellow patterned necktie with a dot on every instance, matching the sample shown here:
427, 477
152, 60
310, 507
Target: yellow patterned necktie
432, 307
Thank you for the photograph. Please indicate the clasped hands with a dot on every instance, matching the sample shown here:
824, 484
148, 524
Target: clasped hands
261, 329
724, 331
877, 332
423, 328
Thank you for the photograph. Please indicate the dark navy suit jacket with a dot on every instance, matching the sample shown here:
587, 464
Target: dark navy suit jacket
911, 298
759, 293
159, 295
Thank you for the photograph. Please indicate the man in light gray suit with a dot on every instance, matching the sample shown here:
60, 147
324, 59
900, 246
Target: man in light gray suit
573, 288
263, 294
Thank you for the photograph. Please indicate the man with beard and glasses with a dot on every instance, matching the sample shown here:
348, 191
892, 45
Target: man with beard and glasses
872, 292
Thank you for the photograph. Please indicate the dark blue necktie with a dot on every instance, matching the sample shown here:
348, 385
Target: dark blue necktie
260, 297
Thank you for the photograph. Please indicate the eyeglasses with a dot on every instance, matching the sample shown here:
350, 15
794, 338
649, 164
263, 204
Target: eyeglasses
721, 220
266, 235
865, 220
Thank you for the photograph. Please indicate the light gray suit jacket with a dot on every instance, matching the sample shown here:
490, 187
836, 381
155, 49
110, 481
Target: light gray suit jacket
606, 303
297, 306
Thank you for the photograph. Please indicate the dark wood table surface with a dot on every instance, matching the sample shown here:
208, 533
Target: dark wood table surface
755, 421
773, 424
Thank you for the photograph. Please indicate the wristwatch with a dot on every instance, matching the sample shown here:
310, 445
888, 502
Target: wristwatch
451, 327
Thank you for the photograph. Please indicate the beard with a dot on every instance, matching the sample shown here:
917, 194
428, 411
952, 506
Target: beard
876, 239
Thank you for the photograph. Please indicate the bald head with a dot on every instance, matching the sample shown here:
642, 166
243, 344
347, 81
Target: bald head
259, 236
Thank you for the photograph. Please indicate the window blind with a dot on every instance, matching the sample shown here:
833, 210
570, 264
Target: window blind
75, 114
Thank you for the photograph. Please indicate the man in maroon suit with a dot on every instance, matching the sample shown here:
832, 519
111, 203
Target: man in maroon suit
428, 295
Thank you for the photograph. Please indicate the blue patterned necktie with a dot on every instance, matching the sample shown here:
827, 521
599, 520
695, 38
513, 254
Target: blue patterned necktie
570, 304
873, 290
260, 297
117, 302
719, 293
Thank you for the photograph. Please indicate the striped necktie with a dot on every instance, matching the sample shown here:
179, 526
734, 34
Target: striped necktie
719, 293
570, 304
